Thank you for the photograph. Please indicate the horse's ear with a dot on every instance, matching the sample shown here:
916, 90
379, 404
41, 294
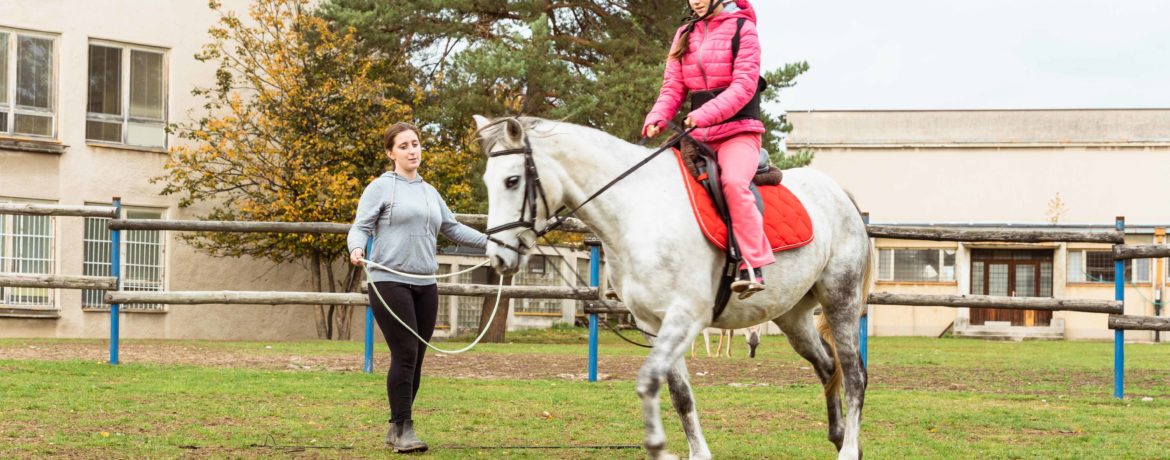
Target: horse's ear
515, 130
480, 121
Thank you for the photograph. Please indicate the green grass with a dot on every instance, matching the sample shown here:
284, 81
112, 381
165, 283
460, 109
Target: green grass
1010, 400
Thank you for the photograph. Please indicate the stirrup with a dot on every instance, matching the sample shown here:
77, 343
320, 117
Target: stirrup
748, 283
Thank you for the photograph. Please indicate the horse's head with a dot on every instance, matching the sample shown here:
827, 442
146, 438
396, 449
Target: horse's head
753, 339
520, 198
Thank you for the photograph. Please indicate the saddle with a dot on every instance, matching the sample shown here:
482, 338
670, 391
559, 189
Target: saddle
695, 156
786, 222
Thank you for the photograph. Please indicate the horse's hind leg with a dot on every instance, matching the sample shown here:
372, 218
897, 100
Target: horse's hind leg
684, 403
798, 326
679, 327
841, 298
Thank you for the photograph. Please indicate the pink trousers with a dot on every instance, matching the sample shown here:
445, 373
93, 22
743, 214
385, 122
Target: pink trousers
738, 157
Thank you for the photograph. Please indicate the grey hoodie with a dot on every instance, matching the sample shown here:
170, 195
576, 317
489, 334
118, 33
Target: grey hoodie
405, 217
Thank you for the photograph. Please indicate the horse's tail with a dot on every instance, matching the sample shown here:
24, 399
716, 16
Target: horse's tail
826, 330
868, 278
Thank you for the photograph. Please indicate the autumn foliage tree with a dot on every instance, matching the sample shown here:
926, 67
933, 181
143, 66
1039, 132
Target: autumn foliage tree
290, 131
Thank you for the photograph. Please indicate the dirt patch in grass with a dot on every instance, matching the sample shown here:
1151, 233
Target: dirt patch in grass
704, 371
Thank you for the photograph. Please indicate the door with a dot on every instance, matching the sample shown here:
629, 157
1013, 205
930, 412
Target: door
1014, 273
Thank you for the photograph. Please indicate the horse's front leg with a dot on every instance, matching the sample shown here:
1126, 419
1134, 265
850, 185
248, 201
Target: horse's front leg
679, 327
684, 403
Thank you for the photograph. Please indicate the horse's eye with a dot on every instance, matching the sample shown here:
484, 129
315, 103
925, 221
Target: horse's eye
512, 182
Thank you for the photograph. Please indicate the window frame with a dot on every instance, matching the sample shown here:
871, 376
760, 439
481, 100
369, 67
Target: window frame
539, 275
9, 109
7, 250
941, 253
125, 119
126, 263
1131, 273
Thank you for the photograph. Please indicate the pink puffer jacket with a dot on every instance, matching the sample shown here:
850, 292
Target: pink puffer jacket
707, 65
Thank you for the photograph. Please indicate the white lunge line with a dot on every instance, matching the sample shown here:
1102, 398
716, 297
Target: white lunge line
366, 266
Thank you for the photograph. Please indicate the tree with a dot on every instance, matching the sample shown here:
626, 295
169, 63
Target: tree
593, 62
291, 131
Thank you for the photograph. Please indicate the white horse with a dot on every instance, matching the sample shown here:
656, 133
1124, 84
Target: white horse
666, 272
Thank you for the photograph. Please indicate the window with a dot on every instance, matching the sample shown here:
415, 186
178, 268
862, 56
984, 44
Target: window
444, 318
126, 102
1097, 267
142, 260
916, 265
541, 271
583, 272
26, 247
470, 308
26, 84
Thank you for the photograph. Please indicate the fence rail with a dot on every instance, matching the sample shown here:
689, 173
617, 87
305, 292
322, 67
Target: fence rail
942, 233
26, 209
1139, 323
1000, 302
331, 298
58, 281
229, 226
473, 220
577, 226
1140, 251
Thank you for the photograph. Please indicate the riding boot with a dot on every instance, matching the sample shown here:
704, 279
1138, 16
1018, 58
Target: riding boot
392, 434
746, 286
406, 441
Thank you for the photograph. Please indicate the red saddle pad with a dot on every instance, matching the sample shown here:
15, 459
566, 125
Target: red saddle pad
786, 222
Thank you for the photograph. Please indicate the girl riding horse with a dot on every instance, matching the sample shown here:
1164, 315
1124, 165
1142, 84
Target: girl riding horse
723, 84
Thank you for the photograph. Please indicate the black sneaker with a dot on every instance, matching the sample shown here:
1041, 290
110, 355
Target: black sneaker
745, 286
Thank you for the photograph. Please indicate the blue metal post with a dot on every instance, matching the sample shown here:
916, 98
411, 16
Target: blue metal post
865, 309
369, 366
115, 272
594, 281
1119, 334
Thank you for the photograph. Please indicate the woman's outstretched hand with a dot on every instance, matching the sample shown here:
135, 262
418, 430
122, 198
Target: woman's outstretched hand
356, 256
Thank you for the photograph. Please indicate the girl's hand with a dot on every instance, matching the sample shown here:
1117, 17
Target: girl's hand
356, 256
653, 130
689, 122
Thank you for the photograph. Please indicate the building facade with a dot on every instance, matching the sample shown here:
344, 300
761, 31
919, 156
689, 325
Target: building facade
86, 92
1075, 169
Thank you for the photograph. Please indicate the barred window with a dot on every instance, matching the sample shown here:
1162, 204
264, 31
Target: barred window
26, 247
1085, 266
583, 272
916, 265
470, 307
540, 271
142, 260
444, 317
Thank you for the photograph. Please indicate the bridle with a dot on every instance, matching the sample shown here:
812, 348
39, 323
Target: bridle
533, 190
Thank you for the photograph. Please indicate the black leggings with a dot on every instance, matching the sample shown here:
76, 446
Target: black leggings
417, 306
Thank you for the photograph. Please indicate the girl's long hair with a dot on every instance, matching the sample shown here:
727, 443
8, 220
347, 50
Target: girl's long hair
682, 45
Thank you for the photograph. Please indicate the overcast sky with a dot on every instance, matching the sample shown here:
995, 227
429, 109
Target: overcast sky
970, 54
